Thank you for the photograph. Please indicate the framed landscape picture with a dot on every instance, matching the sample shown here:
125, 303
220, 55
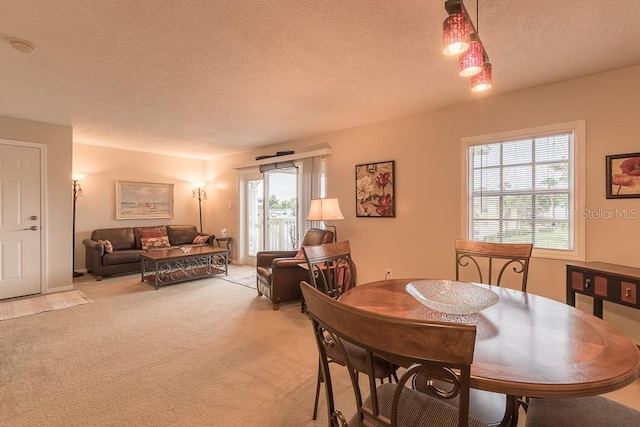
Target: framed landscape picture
623, 176
375, 190
143, 200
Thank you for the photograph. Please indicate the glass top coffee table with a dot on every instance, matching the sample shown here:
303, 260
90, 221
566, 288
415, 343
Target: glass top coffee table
164, 266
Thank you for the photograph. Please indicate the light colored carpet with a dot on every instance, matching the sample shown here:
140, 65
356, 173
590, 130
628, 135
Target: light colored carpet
200, 353
247, 279
40, 304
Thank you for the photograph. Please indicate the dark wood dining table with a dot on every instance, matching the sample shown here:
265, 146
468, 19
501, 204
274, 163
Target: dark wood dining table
526, 345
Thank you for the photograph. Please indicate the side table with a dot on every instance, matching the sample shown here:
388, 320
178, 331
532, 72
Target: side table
227, 240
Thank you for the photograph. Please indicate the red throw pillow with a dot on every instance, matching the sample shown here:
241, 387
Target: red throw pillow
300, 254
153, 233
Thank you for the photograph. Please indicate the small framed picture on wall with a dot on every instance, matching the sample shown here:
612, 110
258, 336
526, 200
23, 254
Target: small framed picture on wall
623, 176
375, 190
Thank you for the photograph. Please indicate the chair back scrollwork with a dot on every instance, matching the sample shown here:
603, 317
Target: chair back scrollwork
493, 263
331, 268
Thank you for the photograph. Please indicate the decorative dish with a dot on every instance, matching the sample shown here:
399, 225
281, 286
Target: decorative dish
452, 297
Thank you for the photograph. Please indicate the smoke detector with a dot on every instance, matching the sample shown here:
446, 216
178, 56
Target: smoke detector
22, 45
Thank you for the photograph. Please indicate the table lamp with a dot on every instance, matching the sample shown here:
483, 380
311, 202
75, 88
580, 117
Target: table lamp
323, 210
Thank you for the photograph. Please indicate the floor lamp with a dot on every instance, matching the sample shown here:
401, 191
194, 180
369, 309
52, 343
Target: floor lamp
201, 194
77, 192
323, 210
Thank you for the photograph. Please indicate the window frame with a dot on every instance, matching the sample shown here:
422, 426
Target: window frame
578, 128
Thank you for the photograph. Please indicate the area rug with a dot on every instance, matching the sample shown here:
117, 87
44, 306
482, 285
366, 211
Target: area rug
28, 306
244, 279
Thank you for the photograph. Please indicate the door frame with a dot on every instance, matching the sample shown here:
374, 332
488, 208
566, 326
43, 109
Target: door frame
311, 184
243, 245
44, 273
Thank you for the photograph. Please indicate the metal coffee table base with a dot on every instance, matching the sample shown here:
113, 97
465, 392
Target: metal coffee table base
174, 269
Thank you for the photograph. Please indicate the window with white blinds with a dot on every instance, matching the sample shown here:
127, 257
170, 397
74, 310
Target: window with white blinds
521, 189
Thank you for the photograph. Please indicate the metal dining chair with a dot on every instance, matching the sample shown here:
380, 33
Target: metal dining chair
333, 272
416, 343
495, 264
331, 267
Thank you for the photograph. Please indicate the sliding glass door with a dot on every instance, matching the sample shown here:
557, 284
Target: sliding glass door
271, 211
275, 203
281, 209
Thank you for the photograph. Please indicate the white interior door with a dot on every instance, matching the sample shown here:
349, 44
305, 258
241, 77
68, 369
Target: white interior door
20, 235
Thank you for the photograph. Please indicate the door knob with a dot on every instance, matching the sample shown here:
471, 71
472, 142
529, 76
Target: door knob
33, 217
32, 228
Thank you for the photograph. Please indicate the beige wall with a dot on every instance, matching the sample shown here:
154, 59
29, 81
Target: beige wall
428, 153
105, 166
57, 211
427, 149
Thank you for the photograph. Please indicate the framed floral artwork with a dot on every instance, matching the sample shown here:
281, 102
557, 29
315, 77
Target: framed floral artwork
623, 176
375, 190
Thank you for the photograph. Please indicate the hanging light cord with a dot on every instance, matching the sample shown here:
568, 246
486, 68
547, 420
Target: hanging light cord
477, 18
476, 27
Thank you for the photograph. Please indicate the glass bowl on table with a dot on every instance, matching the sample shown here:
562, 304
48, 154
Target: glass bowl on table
452, 297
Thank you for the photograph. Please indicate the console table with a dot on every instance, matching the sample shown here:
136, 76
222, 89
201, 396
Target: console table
618, 284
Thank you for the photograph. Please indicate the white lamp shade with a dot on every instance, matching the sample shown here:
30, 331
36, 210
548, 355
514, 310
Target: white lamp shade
78, 176
324, 209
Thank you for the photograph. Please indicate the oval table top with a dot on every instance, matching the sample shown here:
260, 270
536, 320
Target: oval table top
526, 345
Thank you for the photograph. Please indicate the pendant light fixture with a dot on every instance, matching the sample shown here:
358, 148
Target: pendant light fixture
483, 80
473, 60
455, 34
470, 62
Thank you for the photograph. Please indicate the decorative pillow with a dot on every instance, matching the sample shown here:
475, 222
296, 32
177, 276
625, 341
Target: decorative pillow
198, 240
149, 243
300, 254
108, 247
153, 233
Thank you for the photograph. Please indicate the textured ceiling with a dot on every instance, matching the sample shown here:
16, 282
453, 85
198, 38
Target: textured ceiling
203, 78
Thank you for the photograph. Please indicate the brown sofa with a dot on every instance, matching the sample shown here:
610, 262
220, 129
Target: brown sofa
279, 273
127, 247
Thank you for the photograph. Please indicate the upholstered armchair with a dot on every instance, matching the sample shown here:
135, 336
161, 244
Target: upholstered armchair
279, 273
